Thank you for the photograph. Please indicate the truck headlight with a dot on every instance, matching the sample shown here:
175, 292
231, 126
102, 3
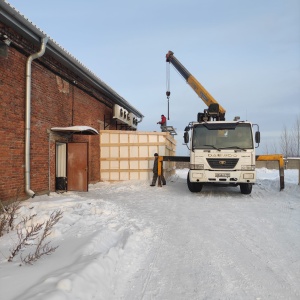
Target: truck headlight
197, 175
248, 176
248, 167
196, 166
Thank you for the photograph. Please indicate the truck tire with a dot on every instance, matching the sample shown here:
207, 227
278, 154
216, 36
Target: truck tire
246, 188
194, 187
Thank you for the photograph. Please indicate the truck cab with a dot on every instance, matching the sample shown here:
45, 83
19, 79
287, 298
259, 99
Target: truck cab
221, 152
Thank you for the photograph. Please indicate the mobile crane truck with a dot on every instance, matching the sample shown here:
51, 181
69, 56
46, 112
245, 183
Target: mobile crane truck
221, 152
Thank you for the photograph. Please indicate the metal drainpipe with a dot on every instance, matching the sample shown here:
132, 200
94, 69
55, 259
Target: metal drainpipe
33, 56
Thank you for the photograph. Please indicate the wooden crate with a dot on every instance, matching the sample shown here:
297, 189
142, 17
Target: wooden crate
127, 155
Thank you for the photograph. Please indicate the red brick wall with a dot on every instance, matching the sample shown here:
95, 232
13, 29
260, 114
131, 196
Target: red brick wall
54, 102
12, 111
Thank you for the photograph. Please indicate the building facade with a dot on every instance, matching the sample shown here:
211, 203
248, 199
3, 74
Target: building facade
52, 109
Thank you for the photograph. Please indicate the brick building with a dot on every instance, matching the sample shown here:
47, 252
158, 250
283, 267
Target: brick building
51, 111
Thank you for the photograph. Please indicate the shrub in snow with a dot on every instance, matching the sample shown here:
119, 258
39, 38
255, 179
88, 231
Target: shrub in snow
8, 215
33, 235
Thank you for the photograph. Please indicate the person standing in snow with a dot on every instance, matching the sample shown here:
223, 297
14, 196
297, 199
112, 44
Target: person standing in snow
155, 172
162, 122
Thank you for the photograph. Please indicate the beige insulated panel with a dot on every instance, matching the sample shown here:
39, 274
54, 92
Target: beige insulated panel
129, 155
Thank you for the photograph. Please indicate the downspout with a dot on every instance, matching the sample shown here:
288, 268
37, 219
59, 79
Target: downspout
33, 56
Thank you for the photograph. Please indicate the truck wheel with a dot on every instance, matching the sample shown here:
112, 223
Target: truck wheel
194, 187
246, 188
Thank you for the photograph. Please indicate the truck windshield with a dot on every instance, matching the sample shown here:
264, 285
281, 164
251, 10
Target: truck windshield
227, 136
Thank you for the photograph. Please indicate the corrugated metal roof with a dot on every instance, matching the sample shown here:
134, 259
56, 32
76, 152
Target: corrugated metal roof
13, 18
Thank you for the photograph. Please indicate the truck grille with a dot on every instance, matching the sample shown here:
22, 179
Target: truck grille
222, 163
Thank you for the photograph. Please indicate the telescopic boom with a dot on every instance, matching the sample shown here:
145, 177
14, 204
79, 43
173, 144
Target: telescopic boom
207, 98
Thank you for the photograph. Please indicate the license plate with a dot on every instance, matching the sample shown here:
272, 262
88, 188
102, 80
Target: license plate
222, 174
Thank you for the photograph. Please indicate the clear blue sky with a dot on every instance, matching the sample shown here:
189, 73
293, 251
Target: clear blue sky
245, 53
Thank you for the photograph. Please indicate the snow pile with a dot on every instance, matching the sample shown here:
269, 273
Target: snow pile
290, 176
131, 241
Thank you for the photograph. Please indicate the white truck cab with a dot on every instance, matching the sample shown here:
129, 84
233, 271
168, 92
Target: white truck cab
221, 152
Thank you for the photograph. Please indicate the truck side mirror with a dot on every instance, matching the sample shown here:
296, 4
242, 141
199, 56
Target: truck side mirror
186, 137
257, 137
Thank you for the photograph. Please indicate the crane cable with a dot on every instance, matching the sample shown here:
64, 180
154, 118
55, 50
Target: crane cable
168, 93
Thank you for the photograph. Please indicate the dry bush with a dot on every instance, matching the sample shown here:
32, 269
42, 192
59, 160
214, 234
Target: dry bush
43, 247
8, 215
3, 224
34, 235
3, 219
25, 238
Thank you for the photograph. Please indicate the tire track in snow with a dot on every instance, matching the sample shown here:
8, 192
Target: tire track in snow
152, 264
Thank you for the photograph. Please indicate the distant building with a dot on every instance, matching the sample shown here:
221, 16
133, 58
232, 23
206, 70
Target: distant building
52, 109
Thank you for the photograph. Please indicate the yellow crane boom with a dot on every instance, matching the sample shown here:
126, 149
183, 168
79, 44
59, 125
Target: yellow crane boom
207, 98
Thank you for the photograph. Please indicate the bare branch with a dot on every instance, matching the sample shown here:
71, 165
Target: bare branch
24, 239
43, 248
8, 215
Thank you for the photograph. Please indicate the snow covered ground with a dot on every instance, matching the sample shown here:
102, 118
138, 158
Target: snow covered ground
131, 241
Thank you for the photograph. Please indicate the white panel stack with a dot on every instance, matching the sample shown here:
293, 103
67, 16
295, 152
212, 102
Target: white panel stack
128, 155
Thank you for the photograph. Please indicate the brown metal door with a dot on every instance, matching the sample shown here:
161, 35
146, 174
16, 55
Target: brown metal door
77, 169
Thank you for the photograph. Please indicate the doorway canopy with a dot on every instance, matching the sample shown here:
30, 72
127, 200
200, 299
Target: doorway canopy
86, 130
